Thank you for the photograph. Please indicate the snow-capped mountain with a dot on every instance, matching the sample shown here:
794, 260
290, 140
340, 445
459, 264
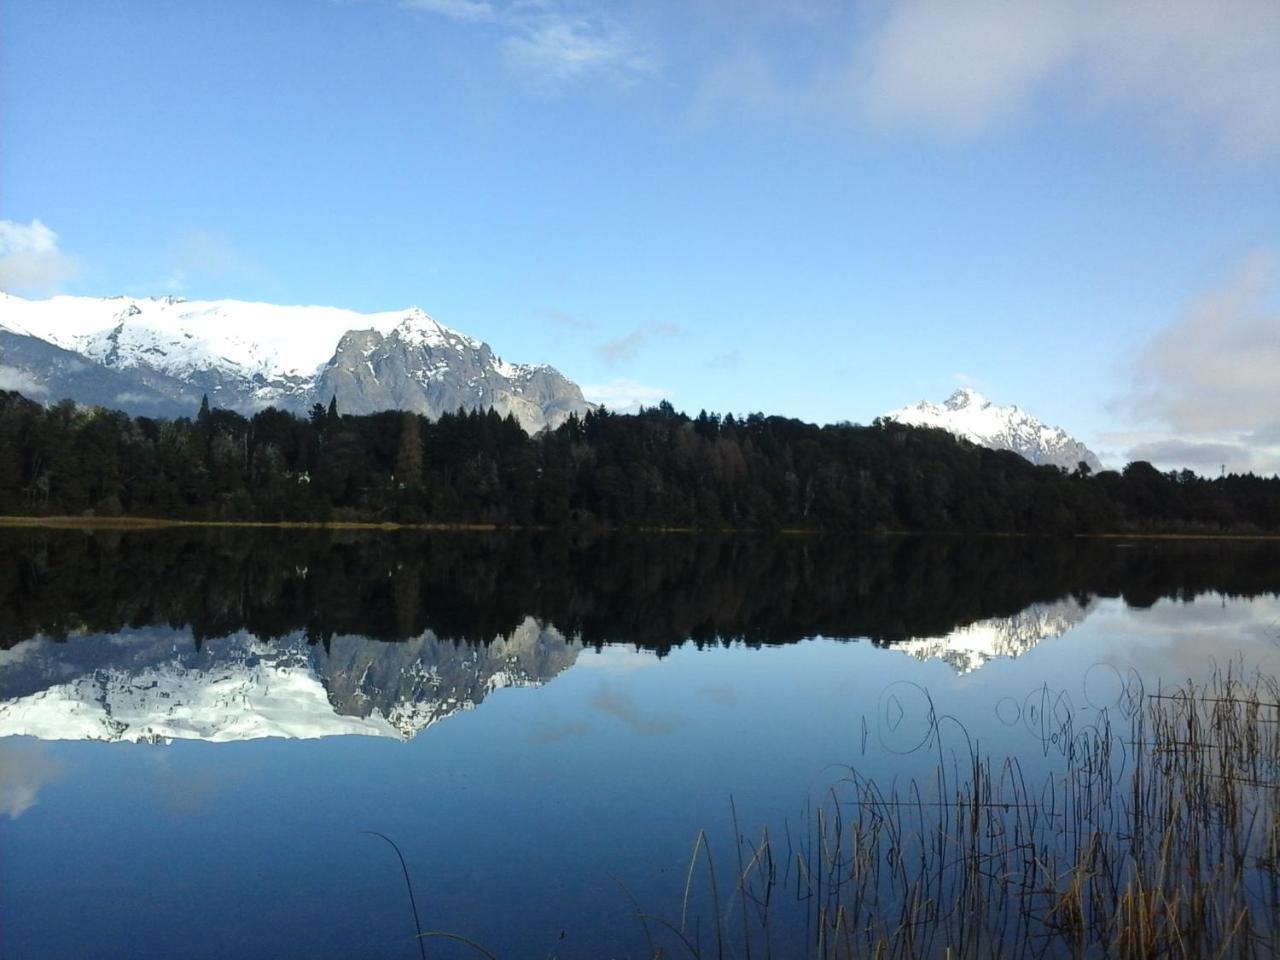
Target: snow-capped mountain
971, 416
973, 646
156, 684
156, 356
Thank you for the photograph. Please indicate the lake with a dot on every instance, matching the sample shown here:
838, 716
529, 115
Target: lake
202, 732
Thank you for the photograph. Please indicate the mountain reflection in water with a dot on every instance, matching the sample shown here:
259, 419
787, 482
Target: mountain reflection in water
155, 685
239, 634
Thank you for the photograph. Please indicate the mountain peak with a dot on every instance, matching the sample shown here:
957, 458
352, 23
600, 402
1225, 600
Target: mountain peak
971, 416
415, 316
419, 328
966, 397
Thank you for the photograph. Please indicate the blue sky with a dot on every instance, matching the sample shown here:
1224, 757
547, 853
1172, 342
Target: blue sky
820, 209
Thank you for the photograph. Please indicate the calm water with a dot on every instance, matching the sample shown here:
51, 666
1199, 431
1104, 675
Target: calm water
196, 729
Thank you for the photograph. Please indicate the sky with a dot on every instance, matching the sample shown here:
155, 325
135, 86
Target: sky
824, 210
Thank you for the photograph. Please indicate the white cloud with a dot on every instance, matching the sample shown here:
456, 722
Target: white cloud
1191, 453
1210, 378
201, 257
963, 67
30, 259
1216, 367
551, 42
959, 65
1206, 454
746, 79
627, 346
1268, 433
624, 396
11, 378
1211, 66
464, 11
559, 48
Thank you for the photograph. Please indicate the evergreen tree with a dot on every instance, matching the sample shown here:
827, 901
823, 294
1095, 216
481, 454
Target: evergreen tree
659, 468
409, 455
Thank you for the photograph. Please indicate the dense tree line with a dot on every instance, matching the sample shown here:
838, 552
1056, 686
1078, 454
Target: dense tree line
651, 590
659, 468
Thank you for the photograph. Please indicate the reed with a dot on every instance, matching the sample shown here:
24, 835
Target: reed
1155, 834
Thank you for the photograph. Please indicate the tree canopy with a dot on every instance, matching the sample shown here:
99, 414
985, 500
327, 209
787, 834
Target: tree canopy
656, 469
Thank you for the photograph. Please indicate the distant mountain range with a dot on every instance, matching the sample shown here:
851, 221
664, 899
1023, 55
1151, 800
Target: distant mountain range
971, 416
158, 356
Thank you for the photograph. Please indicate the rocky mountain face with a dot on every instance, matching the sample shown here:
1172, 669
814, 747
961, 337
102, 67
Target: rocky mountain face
971, 416
156, 684
47, 373
157, 357
426, 368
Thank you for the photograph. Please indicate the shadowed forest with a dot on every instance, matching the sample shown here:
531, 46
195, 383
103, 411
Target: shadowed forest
656, 469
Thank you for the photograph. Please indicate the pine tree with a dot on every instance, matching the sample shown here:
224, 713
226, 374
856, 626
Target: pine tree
409, 456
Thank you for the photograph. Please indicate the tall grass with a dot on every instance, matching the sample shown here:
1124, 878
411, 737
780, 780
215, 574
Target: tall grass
1154, 833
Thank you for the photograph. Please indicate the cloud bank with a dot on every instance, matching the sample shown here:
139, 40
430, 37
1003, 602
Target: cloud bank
963, 67
12, 378
1218, 367
31, 261
1212, 377
625, 396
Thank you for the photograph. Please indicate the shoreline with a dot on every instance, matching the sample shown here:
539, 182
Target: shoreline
161, 523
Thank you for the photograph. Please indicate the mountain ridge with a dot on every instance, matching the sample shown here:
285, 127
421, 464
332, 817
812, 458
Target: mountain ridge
971, 416
160, 352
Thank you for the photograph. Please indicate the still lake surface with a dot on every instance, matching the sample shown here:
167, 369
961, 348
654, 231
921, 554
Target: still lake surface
196, 728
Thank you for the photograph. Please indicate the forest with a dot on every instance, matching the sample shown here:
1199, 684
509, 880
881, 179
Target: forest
658, 469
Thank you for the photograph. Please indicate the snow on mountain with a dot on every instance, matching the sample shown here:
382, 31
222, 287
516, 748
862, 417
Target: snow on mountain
973, 646
971, 416
247, 356
155, 685
180, 336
